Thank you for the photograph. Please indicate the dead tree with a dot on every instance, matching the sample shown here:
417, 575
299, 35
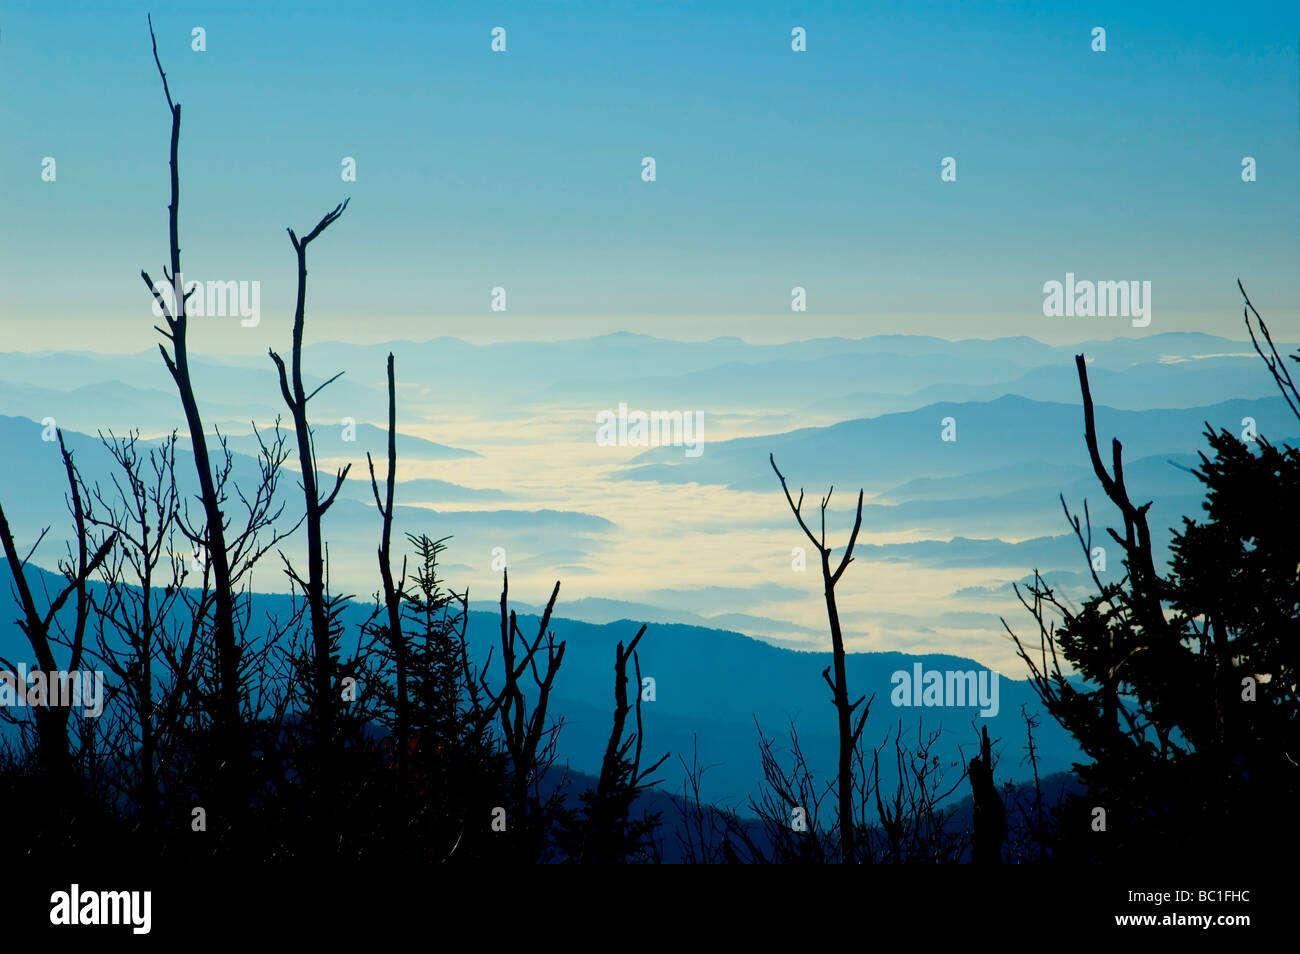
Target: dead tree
393, 592
1137, 534
913, 827
1039, 829
52, 720
703, 830
990, 814
137, 625
789, 807
529, 742
322, 610
1145, 584
227, 715
848, 732
1273, 361
1117, 635
609, 834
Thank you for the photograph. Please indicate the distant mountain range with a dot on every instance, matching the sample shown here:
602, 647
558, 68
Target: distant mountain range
496, 449
831, 377
1009, 431
711, 688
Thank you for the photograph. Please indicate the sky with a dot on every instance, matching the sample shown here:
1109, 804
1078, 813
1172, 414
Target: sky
774, 168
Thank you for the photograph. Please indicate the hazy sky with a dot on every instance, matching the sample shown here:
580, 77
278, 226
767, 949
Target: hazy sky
522, 169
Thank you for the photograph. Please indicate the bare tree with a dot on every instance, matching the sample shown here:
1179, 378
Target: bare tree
138, 624
844, 710
702, 829
1039, 827
608, 834
1273, 361
52, 720
1137, 597
789, 806
322, 609
990, 814
392, 634
1137, 534
178, 364
913, 825
529, 741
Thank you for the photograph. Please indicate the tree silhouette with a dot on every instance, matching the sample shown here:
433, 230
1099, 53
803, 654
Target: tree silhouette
607, 833
323, 610
528, 739
142, 636
221, 712
390, 631
848, 732
990, 814
1189, 708
37, 625
912, 824
227, 711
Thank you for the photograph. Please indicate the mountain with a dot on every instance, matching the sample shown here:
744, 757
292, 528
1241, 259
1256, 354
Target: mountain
711, 688
353, 441
1004, 432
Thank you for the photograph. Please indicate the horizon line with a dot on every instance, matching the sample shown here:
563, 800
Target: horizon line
393, 342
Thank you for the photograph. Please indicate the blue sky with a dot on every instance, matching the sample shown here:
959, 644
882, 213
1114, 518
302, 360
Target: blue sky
775, 168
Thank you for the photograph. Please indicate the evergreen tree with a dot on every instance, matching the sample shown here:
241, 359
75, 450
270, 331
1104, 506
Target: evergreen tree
1188, 709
